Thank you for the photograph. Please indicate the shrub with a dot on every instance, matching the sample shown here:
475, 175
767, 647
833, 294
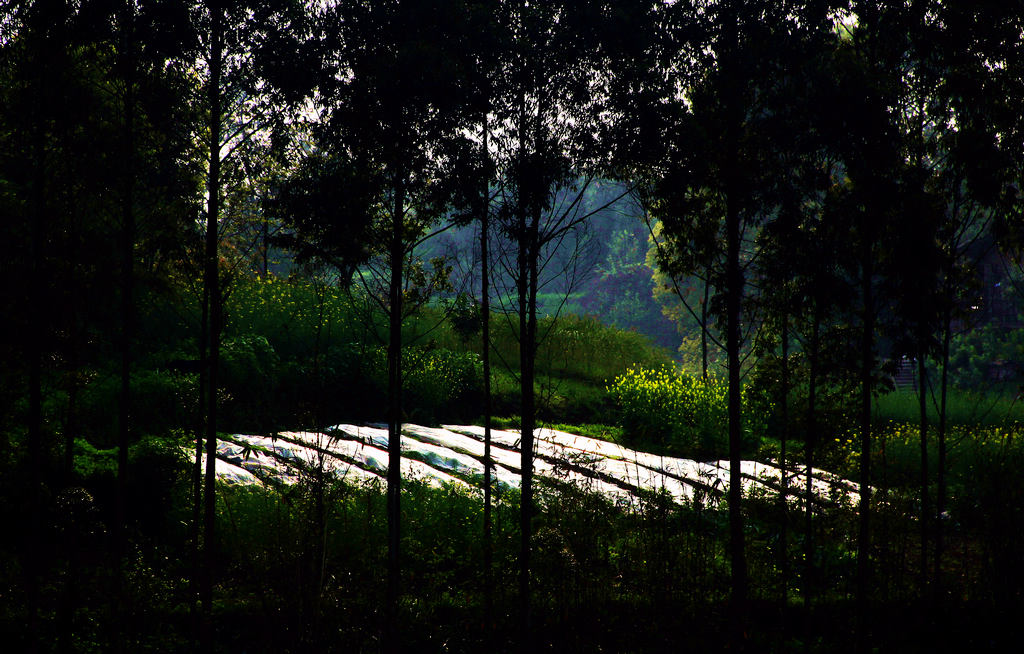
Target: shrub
295, 316
440, 382
985, 358
249, 368
160, 400
680, 412
437, 384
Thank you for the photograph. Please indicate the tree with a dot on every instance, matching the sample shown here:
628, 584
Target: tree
800, 288
95, 138
979, 177
471, 165
719, 182
685, 276
212, 300
876, 196
388, 100
548, 120
623, 289
36, 59
215, 40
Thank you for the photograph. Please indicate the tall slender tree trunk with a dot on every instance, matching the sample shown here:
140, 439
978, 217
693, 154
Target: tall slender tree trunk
867, 367
127, 272
75, 335
212, 284
922, 388
68, 606
704, 329
922, 336
736, 538
34, 353
316, 548
266, 246
392, 642
127, 311
485, 334
706, 409
524, 283
810, 441
940, 498
784, 438
734, 295
197, 462
527, 341
35, 456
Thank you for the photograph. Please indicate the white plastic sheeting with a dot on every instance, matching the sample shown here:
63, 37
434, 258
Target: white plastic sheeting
288, 455
756, 476
229, 473
453, 455
374, 454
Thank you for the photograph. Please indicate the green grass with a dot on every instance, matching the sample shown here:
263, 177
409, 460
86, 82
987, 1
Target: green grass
611, 433
312, 567
626, 569
962, 408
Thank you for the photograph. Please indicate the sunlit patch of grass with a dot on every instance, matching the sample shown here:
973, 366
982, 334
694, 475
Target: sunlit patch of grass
962, 408
611, 433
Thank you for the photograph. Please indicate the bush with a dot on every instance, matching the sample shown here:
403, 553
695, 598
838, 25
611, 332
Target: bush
583, 348
680, 412
441, 382
158, 484
249, 369
985, 358
437, 384
161, 401
296, 316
